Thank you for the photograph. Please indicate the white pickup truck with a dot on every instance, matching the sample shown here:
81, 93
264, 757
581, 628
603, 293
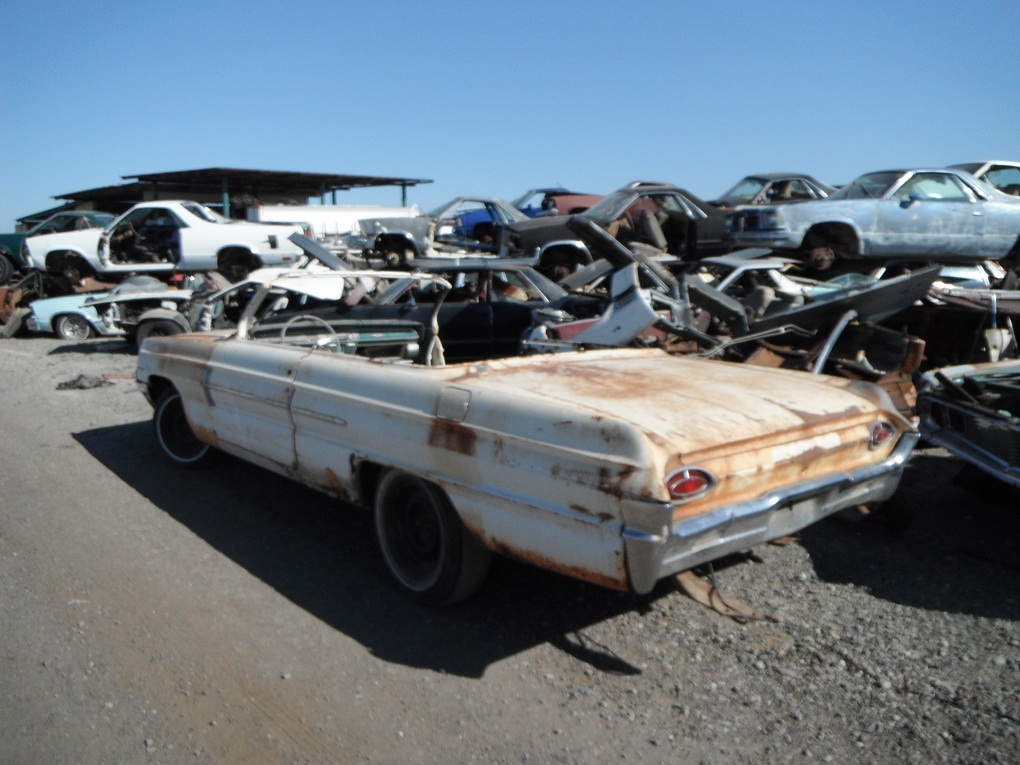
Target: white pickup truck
165, 236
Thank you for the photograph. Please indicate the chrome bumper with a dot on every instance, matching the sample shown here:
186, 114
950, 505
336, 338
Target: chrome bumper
692, 541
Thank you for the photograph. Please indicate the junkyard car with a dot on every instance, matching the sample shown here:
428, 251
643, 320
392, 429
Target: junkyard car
77, 317
974, 412
668, 218
68, 317
486, 313
165, 236
619, 467
538, 203
11, 256
940, 215
463, 223
1002, 174
774, 189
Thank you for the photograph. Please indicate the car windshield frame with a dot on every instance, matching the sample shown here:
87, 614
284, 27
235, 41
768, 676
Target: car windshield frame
742, 197
870, 185
612, 207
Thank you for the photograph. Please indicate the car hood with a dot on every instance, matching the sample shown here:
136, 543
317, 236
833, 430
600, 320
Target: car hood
546, 224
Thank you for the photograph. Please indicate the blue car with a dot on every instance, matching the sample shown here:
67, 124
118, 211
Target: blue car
71, 317
914, 215
68, 317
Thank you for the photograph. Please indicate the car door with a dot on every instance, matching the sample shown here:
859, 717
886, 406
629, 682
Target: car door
930, 214
250, 385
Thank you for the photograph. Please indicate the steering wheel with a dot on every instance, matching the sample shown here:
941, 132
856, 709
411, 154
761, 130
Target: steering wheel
312, 318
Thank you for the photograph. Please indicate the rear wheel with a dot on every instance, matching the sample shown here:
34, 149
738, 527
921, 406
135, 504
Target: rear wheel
174, 435
426, 547
72, 327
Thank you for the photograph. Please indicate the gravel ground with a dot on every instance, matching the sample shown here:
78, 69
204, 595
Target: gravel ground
151, 615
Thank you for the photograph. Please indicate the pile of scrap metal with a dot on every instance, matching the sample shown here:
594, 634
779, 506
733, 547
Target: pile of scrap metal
968, 316
974, 412
831, 327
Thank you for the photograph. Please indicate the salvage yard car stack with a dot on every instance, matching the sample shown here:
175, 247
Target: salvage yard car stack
610, 395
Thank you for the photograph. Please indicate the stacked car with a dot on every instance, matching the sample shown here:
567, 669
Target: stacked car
617, 387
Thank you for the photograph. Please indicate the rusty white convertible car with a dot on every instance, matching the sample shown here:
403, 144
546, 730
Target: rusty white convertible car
617, 466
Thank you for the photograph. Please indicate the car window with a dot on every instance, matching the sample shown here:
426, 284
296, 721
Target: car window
161, 217
871, 186
54, 225
610, 208
744, 191
933, 187
509, 286
1002, 176
203, 213
789, 191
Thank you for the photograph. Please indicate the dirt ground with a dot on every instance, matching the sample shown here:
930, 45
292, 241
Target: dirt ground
155, 615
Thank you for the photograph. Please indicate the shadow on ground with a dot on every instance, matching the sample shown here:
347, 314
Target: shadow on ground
946, 542
321, 554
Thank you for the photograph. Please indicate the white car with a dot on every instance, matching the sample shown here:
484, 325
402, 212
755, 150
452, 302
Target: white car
162, 237
619, 467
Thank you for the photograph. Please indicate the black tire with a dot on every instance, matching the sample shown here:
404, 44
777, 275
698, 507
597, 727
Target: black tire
431, 555
71, 326
236, 265
7, 267
174, 435
394, 252
560, 262
156, 328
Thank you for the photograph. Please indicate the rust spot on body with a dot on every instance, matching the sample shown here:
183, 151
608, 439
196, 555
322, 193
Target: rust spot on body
619, 582
453, 436
335, 486
205, 435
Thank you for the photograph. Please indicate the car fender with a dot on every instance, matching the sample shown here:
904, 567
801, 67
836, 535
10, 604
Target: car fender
154, 314
405, 236
83, 244
836, 220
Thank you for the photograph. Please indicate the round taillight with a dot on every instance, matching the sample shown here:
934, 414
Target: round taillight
881, 434
688, 483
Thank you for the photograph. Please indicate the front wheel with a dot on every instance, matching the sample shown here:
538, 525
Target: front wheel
156, 328
174, 435
72, 327
426, 547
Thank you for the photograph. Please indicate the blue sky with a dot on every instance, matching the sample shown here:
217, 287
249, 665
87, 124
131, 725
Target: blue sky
495, 98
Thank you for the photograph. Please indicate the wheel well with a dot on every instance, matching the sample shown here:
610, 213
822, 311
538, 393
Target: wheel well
367, 477
62, 260
1014, 254
840, 236
238, 252
393, 242
157, 387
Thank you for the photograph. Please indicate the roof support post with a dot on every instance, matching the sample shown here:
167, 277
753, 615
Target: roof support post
225, 191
